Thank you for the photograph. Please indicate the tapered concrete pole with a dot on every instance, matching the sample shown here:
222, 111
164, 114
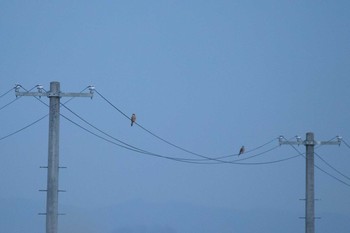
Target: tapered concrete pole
310, 185
310, 180
53, 159
53, 152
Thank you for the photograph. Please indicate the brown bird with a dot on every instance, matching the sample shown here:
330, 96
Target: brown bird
133, 119
241, 151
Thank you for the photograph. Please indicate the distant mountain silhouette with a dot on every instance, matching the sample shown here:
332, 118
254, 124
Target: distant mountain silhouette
20, 215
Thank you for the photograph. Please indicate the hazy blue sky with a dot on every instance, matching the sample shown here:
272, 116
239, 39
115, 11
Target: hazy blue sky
208, 76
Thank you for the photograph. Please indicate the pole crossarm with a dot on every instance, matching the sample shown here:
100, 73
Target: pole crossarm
40, 93
52, 94
338, 142
298, 142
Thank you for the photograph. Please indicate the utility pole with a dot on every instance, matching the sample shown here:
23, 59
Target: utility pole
310, 177
53, 148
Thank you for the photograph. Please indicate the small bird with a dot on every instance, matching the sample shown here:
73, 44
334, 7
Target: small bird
133, 119
241, 151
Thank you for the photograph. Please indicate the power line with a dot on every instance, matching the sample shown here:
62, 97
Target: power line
108, 135
123, 146
204, 160
169, 143
346, 143
334, 177
148, 131
17, 87
329, 165
8, 104
264, 152
254, 163
85, 120
126, 146
242, 159
7, 92
168, 157
25, 127
34, 122
173, 144
20, 86
138, 150
112, 104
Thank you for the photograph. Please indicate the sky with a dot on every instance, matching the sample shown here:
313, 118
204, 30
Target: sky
203, 76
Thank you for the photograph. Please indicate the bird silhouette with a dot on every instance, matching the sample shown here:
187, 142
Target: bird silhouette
241, 151
133, 119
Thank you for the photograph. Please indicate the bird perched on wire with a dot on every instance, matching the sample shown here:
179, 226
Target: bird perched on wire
133, 119
241, 151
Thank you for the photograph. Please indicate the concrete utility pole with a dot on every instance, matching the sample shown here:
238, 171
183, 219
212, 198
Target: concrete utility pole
53, 151
310, 183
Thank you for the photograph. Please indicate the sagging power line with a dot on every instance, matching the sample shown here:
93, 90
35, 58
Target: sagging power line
212, 157
201, 160
120, 143
206, 160
138, 150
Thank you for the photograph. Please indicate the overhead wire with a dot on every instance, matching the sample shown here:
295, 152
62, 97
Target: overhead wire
169, 157
136, 149
7, 92
329, 165
261, 153
8, 104
245, 158
99, 130
252, 163
173, 144
25, 127
169, 143
128, 146
17, 98
117, 144
36, 121
124, 145
346, 143
334, 177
